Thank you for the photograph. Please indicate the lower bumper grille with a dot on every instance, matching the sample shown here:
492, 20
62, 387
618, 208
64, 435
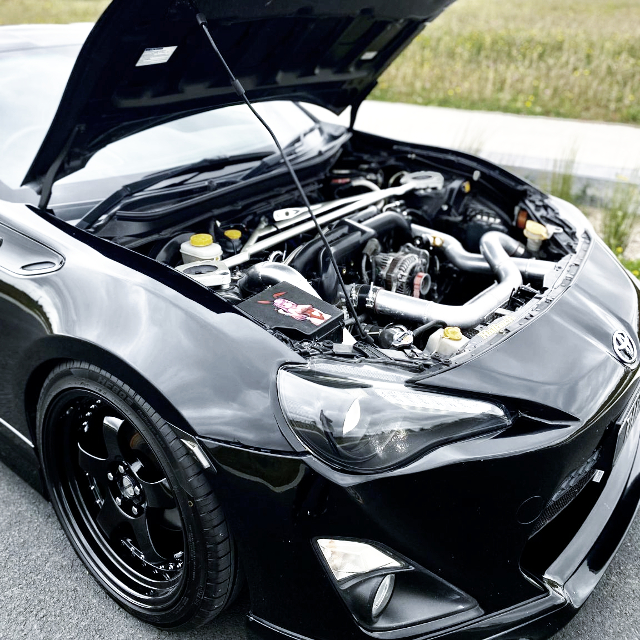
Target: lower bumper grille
571, 486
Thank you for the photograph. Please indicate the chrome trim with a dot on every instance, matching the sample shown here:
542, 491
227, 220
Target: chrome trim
624, 347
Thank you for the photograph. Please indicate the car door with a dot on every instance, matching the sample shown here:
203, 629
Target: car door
24, 262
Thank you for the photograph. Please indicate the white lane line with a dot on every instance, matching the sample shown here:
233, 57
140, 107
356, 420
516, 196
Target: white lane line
16, 432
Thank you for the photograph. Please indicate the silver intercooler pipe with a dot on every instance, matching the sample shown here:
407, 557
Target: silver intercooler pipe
496, 248
264, 274
461, 258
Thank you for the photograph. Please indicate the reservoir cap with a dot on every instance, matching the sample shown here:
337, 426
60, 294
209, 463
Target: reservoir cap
201, 240
452, 333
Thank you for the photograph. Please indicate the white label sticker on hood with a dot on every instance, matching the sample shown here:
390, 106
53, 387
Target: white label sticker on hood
155, 55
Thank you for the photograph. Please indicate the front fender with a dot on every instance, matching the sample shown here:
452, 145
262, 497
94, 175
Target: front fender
209, 367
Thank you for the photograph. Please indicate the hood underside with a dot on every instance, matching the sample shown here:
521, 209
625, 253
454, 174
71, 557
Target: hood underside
147, 62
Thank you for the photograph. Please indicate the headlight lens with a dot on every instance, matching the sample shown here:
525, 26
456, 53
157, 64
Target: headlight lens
362, 418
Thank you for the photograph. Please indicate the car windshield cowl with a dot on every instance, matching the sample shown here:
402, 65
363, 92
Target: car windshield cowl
104, 211
309, 143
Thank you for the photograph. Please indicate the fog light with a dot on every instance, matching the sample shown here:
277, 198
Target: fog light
383, 595
386, 592
348, 558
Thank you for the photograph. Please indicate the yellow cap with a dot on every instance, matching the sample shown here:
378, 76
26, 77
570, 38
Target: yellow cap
466, 187
536, 231
233, 234
201, 240
453, 333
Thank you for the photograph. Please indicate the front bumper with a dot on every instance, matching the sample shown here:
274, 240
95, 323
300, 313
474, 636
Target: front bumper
569, 580
463, 512
291, 595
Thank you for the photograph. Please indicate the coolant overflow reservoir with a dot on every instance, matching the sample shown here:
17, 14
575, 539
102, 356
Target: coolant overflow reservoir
446, 342
200, 247
535, 233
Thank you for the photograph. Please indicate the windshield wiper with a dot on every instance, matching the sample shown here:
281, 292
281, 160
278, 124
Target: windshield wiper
109, 207
292, 150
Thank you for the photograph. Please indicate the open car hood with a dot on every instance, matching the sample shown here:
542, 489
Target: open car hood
148, 61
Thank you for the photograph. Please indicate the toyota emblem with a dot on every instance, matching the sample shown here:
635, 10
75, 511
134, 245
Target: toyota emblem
624, 347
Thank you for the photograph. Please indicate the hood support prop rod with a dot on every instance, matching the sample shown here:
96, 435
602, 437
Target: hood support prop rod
239, 89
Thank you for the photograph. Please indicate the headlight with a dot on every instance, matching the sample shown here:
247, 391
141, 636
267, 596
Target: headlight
362, 418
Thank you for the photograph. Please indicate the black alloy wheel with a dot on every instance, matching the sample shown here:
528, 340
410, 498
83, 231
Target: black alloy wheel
135, 504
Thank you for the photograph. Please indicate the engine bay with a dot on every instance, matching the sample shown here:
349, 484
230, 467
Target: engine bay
435, 249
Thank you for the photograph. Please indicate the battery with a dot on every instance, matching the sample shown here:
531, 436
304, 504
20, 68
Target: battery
295, 312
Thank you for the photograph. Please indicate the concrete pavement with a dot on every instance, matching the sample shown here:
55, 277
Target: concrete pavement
46, 593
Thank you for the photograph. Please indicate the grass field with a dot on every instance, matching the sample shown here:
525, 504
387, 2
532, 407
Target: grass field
35, 11
568, 58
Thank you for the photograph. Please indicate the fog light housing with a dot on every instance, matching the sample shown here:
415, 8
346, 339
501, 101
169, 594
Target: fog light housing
349, 558
387, 592
363, 573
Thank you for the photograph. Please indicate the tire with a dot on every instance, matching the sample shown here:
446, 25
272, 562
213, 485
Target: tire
137, 507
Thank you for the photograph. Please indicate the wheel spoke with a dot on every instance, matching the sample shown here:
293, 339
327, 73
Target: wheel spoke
110, 516
110, 429
158, 494
143, 540
94, 466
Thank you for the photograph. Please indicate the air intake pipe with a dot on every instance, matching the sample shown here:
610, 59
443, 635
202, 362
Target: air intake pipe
475, 262
496, 248
264, 274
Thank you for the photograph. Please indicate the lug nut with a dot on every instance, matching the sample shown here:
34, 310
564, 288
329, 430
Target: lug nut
134, 510
136, 490
110, 475
120, 468
118, 501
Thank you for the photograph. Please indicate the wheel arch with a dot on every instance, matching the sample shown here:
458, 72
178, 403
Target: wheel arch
55, 350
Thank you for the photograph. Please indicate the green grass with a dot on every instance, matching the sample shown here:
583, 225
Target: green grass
568, 58
561, 183
620, 217
632, 265
36, 11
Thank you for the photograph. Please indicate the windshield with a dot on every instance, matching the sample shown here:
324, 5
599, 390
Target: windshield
32, 82
228, 131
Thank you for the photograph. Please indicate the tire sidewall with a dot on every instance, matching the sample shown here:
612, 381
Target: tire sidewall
139, 413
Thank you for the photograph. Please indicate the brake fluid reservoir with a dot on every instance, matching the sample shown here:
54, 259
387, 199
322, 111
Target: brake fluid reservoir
446, 342
200, 247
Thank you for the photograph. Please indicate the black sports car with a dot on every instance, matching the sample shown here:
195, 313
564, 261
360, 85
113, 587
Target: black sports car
406, 410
